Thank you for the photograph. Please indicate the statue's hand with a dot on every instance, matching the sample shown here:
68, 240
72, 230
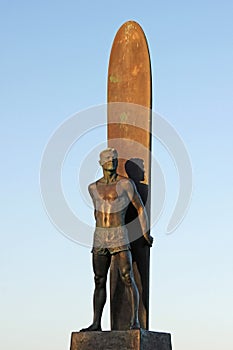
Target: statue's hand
149, 239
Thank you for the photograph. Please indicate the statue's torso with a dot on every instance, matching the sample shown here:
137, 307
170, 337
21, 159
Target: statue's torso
111, 202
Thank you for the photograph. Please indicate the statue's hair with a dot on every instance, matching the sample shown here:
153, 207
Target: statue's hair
110, 150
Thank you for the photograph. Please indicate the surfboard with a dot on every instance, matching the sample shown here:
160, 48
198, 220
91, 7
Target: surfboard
129, 131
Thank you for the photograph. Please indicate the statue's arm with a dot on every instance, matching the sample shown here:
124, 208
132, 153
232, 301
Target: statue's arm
142, 214
91, 190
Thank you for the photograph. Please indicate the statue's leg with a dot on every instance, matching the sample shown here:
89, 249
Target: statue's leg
124, 260
101, 265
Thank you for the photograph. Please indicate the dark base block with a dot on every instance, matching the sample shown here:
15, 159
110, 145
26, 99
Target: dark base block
121, 340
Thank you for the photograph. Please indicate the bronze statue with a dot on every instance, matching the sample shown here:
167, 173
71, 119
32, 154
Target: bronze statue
111, 197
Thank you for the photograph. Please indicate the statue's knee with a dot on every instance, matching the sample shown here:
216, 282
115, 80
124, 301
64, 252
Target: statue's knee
127, 278
99, 281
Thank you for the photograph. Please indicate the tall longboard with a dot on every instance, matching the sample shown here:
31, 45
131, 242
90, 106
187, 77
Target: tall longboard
129, 131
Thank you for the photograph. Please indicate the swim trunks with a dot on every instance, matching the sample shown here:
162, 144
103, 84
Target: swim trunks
110, 240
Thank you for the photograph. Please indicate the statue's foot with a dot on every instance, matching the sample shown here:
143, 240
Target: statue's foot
135, 325
92, 328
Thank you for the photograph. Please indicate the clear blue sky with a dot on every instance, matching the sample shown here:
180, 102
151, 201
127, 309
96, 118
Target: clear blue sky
54, 57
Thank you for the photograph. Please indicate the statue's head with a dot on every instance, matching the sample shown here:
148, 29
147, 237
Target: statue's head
109, 159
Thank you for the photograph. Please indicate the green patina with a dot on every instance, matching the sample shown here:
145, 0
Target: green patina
113, 79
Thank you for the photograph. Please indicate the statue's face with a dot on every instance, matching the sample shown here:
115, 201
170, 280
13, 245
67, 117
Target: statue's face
108, 161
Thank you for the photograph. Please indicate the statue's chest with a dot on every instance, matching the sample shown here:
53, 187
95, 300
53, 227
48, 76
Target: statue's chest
108, 192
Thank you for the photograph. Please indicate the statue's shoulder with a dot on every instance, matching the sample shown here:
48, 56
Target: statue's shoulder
99, 181
125, 181
92, 187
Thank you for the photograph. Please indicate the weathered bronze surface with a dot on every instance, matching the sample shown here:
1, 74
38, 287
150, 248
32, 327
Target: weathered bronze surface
121, 340
129, 130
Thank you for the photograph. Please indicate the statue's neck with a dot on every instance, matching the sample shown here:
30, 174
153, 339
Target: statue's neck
110, 176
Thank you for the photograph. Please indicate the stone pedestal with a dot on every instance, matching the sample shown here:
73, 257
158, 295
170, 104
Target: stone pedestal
121, 340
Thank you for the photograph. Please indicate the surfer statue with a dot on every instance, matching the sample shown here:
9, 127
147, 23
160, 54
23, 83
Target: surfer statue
111, 196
